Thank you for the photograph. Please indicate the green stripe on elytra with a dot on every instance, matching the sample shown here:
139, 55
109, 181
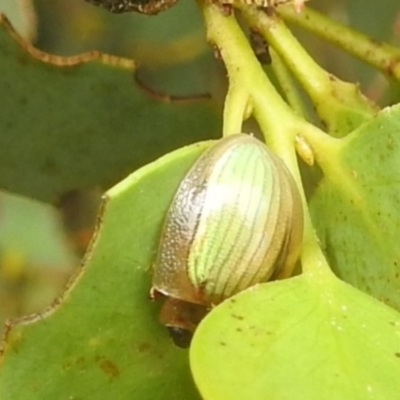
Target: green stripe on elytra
203, 250
255, 185
261, 217
232, 260
203, 267
256, 266
276, 223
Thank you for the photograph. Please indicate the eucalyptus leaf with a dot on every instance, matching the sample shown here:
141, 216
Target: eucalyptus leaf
308, 337
356, 208
103, 340
70, 123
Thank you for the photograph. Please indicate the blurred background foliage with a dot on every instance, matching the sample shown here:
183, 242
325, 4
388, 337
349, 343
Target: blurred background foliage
41, 244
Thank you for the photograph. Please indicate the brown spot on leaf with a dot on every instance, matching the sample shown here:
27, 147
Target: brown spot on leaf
143, 347
109, 368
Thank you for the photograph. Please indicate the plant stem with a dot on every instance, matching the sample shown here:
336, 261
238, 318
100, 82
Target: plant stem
331, 97
378, 54
235, 110
246, 77
285, 80
277, 121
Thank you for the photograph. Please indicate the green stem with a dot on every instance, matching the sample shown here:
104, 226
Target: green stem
378, 54
245, 74
285, 80
235, 110
277, 121
331, 97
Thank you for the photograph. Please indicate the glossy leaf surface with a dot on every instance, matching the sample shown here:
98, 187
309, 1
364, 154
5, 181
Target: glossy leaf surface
103, 340
70, 123
356, 208
309, 337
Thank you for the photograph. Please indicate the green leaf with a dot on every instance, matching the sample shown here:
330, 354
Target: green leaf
103, 340
170, 47
79, 122
302, 338
356, 208
345, 109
